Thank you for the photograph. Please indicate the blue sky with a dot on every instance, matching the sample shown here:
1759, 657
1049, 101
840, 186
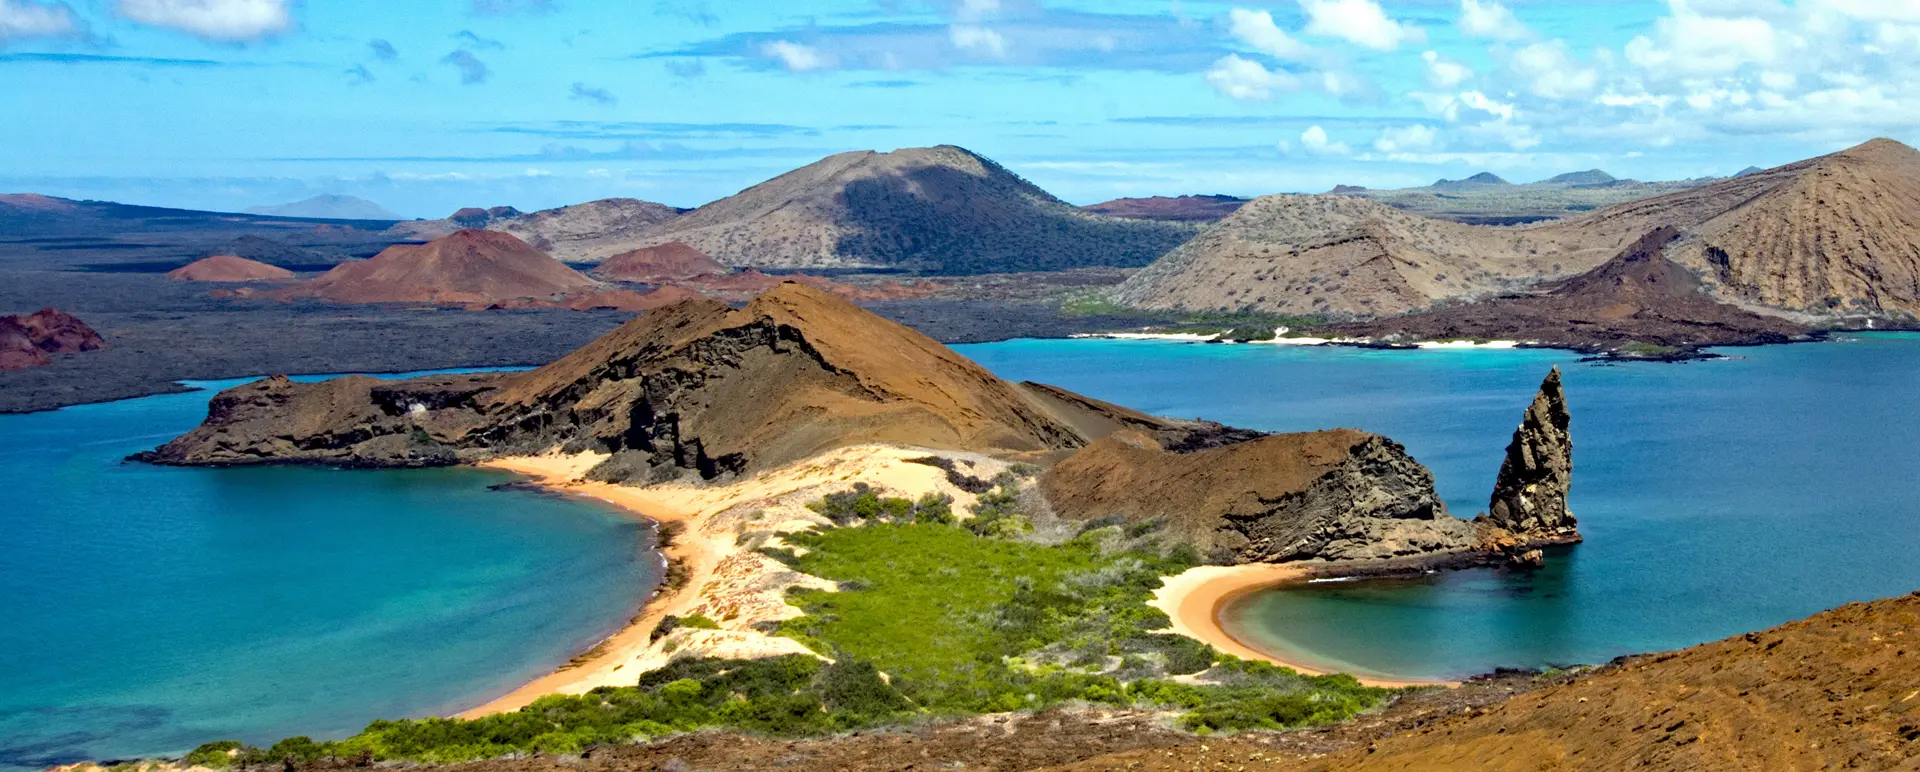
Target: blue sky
428, 105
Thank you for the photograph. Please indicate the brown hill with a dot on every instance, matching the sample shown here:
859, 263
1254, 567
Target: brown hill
938, 209
228, 268
661, 264
1346, 257
1834, 691
470, 266
1840, 235
584, 233
1639, 303
1201, 209
25, 341
695, 386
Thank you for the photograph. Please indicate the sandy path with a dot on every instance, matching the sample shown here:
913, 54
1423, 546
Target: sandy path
1195, 598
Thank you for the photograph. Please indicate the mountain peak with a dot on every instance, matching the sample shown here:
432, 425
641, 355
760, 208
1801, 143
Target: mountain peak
1588, 177
328, 206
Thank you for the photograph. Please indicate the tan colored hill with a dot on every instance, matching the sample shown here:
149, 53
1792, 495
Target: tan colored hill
1838, 690
468, 267
1638, 304
660, 264
589, 232
936, 209
228, 268
1830, 233
1839, 236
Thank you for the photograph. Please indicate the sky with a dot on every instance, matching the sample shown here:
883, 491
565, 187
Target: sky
425, 106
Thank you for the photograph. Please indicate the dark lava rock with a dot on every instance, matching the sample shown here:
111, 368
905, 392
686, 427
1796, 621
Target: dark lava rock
1530, 495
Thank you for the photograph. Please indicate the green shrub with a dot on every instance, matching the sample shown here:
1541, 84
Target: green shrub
218, 754
698, 622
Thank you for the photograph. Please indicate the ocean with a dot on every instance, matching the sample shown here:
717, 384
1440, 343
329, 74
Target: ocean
1716, 497
149, 609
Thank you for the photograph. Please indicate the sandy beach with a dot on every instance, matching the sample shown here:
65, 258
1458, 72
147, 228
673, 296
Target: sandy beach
1194, 598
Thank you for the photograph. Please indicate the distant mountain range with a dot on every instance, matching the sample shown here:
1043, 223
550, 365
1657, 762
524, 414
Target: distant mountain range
329, 207
1170, 208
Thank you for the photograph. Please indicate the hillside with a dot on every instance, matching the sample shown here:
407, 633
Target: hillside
659, 264
1832, 691
1838, 235
471, 266
589, 232
1639, 303
329, 207
1198, 209
1830, 234
939, 209
31, 215
1487, 199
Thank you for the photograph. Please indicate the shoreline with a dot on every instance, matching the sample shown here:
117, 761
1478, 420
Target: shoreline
685, 552
1194, 599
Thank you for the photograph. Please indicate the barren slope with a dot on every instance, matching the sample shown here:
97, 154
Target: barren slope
228, 268
589, 232
941, 209
1838, 690
1832, 234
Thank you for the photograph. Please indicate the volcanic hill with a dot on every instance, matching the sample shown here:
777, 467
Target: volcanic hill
939, 209
660, 264
1828, 236
585, 233
329, 207
468, 267
229, 268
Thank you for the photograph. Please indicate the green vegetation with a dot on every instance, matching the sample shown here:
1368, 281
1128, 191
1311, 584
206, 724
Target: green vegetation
1643, 350
962, 616
698, 622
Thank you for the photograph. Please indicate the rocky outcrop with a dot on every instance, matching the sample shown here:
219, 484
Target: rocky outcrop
693, 389
476, 217
25, 341
1530, 494
1334, 495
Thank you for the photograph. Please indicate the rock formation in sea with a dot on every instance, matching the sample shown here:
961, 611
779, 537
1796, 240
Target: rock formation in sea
25, 341
1530, 493
229, 268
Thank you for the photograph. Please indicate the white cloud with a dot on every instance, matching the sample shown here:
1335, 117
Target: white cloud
1414, 138
1444, 73
796, 57
1257, 30
1689, 43
221, 20
1491, 20
1248, 80
1552, 73
27, 19
976, 10
1358, 21
978, 40
1315, 140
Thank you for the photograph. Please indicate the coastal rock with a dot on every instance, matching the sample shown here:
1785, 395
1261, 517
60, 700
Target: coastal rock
1335, 495
1530, 494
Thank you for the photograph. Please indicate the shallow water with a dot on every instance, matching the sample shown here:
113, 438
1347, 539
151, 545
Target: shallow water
149, 609
1716, 497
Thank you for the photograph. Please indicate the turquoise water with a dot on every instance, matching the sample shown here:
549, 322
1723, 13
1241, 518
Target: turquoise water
1716, 497
149, 609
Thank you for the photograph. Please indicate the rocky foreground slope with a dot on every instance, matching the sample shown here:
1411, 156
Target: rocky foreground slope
700, 390
1828, 237
1838, 690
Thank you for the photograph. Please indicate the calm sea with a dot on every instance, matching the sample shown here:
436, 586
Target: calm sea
1716, 497
144, 610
